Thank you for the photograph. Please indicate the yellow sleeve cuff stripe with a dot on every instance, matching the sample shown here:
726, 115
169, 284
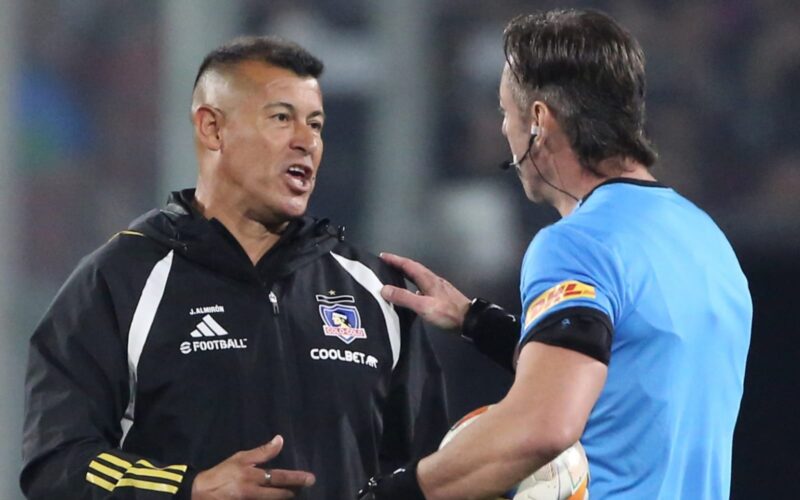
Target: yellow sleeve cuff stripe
108, 476
179, 468
108, 471
139, 471
147, 485
99, 481
115, 460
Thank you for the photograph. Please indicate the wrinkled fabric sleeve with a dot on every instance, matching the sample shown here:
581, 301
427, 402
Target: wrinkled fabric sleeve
76, 393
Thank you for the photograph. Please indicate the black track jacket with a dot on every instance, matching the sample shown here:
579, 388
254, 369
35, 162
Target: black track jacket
167, 351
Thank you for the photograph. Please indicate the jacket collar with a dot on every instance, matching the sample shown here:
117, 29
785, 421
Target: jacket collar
207, 242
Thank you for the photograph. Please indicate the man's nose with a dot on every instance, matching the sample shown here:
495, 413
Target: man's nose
306, 139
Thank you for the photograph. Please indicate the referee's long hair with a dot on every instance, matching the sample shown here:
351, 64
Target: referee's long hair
590, 73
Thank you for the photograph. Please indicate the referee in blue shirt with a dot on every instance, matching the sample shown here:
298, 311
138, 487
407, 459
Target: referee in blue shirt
636, 314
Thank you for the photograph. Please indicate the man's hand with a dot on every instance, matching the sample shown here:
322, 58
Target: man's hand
239, 478
437, 302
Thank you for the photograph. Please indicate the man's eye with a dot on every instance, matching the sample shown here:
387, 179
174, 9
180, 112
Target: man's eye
316, 126
281, 117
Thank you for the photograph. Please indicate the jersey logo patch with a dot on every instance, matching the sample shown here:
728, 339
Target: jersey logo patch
208, 327
341, 317
209, 335
566, 290
355, 357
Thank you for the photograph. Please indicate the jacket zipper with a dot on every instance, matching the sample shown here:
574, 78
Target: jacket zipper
273, 299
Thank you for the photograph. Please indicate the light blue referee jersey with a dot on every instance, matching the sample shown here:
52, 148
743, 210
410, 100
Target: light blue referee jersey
680, 307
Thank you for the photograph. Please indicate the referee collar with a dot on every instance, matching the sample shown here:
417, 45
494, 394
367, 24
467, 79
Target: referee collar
622, 180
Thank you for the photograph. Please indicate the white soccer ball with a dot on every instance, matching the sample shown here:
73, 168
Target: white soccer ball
565, 478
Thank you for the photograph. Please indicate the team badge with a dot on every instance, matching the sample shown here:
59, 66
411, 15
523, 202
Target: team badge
566, 290
341, 318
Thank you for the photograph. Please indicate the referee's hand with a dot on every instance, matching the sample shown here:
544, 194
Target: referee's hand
437, 302
239, 477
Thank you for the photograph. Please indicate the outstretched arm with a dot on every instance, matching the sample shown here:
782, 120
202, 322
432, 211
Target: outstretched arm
438, 302
494, 332
543, 414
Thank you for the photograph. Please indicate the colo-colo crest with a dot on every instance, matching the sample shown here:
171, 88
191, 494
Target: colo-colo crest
341, 318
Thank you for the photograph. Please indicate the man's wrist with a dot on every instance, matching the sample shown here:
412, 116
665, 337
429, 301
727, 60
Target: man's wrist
401, 484
492, 330
473, 319
186, 489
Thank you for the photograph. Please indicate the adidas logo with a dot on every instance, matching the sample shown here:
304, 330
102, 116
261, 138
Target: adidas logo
208, 327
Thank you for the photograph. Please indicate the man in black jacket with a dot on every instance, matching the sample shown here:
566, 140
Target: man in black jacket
227, 346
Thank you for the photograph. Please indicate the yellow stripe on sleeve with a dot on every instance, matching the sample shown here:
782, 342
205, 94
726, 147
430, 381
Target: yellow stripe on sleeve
99, 481
141, 471
179, 468
115, 460
142, 467
147, 485
126, 233
108, 471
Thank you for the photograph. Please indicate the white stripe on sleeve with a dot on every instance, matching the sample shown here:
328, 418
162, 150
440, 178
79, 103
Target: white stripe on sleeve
140, 328
367, 278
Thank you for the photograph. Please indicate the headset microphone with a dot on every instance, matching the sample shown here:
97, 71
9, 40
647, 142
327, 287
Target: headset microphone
514, 162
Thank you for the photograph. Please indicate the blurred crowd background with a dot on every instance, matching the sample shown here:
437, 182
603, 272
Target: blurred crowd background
94, 119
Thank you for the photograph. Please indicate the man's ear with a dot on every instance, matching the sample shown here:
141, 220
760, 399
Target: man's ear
539, 112
542, 115
207, 122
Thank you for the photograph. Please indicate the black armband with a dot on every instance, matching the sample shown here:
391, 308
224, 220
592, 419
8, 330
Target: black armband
493, 331
583, 329
401, 484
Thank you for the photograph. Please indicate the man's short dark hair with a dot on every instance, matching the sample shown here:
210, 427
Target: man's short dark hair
590, 72
269, 49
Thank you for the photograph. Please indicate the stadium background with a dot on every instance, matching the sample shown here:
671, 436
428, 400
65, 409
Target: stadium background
94, 130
